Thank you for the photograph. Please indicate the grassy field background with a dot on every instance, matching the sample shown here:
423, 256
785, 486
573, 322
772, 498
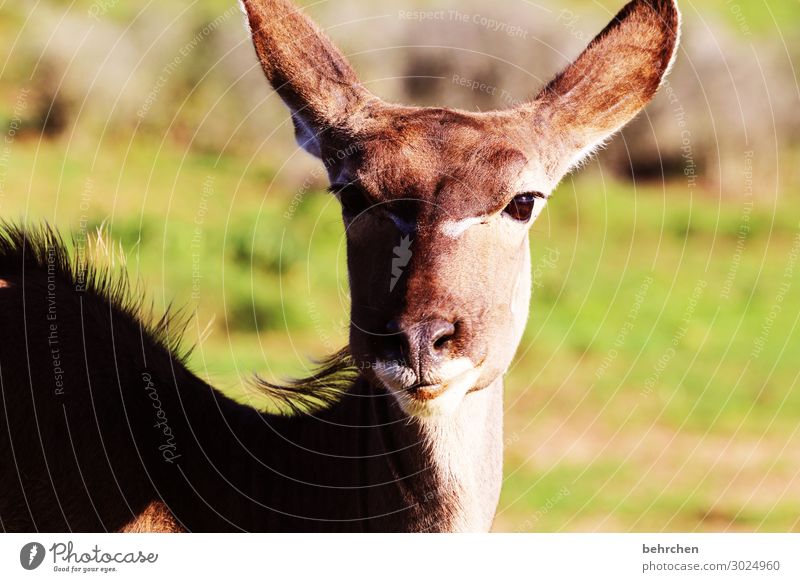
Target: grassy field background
656, 387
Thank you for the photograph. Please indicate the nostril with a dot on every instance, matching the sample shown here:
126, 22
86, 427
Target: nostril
441, 334
419, 344
442, 341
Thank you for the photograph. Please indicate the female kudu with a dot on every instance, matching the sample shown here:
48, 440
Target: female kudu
102, 426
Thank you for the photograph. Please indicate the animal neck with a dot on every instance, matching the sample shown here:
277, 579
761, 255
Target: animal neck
361, 465
440, 473
464, 454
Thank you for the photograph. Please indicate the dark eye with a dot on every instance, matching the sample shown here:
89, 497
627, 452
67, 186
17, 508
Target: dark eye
521, 207
353, 200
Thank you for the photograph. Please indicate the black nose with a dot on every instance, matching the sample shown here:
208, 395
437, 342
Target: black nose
421, 346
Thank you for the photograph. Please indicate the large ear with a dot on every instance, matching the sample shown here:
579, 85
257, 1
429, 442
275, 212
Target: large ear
306, 69
609, 83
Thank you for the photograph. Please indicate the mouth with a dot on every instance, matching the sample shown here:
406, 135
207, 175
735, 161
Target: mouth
423, 399
425, 392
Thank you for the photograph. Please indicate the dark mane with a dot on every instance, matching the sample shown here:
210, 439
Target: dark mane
42, 249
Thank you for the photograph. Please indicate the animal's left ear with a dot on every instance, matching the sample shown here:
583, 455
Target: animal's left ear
609, 83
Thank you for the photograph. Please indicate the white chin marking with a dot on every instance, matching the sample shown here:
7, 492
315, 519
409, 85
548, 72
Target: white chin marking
459, 376
393, 375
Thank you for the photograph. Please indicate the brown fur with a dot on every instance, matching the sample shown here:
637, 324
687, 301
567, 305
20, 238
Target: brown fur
404, 432
155, 518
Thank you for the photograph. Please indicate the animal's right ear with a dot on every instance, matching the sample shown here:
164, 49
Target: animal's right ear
306, 69
608, 84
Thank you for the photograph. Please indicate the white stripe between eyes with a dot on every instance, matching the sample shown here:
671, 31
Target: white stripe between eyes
455, 228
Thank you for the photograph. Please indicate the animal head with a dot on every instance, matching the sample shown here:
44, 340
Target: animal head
437, 203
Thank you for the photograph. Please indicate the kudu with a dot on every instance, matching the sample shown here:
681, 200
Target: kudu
104, 428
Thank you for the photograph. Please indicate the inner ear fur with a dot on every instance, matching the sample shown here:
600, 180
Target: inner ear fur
611, 81
304, 67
